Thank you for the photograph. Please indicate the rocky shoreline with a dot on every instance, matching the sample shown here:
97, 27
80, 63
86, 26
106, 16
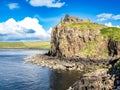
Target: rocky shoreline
74, 63
99, 74
97, 80
53, 62
101, 79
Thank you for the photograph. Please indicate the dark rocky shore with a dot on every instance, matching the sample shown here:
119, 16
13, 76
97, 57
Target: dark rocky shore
99, 74
97, 80
101, 79
74, 63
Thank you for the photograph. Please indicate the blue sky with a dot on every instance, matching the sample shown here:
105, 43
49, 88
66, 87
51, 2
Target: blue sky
29, 20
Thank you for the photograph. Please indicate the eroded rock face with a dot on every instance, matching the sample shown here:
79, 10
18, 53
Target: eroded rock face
115, 72
97, 80
113, 48
76, 37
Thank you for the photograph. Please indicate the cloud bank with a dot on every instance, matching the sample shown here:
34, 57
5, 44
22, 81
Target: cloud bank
109, 24
47, 3
27, 29
108, 16
13, 6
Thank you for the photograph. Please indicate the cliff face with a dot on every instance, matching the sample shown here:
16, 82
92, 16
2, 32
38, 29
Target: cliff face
77, 37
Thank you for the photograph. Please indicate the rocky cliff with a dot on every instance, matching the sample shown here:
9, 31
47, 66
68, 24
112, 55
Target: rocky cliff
78, 44
74, 37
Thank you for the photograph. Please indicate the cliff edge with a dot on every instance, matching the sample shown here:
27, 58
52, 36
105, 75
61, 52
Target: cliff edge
74, 37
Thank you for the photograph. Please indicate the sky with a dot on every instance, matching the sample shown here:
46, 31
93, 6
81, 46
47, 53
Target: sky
33, 20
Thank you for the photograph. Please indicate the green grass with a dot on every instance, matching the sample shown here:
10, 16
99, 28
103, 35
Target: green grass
118, 65
85, 26
25, 45
89, 49
111, 32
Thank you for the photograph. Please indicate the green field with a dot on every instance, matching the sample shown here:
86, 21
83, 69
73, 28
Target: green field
25, 45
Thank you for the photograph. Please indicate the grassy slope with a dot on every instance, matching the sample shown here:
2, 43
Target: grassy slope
25, 45
85, 26
111, 32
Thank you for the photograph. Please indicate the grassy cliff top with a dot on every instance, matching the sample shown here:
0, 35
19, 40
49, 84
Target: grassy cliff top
111, 32
81, 24
84, 26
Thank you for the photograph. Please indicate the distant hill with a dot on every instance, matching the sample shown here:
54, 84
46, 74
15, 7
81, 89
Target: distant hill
25, 45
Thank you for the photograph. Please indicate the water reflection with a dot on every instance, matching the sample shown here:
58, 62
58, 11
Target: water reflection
61, 80
16, 75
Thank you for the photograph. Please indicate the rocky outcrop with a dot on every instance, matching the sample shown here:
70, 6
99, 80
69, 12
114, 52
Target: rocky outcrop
113, 48
72, 19
100, 79
82, 38
115, 72
78, 44
79, 38
97, 80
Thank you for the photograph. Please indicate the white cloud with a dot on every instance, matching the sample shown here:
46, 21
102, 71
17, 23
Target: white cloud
47, 3
108, 16
13, 6
109, 24
116, 17
26, 29
104, 16
50, 30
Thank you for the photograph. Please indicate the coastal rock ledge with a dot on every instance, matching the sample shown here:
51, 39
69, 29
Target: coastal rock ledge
97, 80
75, 63
101, 79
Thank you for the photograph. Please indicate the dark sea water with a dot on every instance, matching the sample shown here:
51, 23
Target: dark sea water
16, 75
